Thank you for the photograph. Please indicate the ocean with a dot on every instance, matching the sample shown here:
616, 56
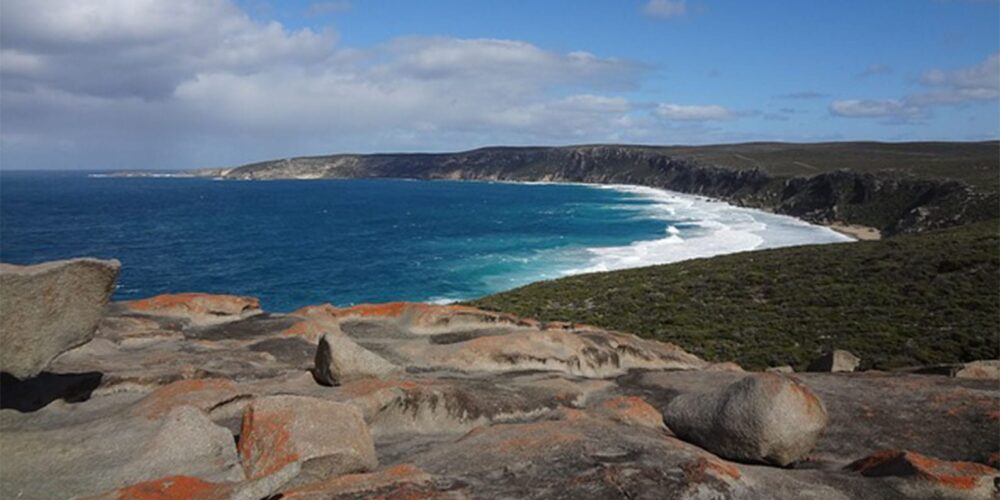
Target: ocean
295, 243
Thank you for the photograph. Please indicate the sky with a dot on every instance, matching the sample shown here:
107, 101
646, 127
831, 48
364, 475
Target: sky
164, 84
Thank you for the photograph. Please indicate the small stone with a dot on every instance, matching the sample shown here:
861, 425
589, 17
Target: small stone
780, 369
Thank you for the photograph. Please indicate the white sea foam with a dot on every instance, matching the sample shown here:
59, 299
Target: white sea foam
700, 227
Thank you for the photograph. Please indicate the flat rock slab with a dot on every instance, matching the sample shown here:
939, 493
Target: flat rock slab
50, 308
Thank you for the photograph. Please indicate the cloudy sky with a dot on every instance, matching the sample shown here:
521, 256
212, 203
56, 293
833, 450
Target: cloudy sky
113, 84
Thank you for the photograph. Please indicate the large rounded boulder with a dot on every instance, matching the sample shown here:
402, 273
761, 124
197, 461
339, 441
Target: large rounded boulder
761, 418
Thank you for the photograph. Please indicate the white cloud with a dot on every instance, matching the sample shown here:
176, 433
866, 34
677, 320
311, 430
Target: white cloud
192, 82
680, 112
980, 82
854, 108
665, 9
143, 48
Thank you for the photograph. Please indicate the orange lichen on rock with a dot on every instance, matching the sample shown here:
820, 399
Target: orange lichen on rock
531, 439
265, 445
354, 484
171, 488
960, 401
201, 306
195, 301
633, 410
701, 467
309, 330
420, 314
902, 463
363, 387
200, 393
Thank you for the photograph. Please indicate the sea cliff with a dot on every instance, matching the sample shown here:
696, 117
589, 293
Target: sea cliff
892, 194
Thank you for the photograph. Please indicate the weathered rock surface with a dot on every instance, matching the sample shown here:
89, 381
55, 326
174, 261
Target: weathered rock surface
327, 438
835, 361
918, 476
761, 418
481, 406
339, 360
988, 369
50, 308
42, 460
199, 308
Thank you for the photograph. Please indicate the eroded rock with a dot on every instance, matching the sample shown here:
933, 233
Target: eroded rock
327, 438
198, 308
114, 451
50, 308
919, 476
760, 418
387, 483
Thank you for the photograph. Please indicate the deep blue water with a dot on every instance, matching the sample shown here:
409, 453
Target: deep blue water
294, 243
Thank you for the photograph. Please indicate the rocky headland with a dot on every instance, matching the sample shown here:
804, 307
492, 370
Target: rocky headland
208, 396
865, 188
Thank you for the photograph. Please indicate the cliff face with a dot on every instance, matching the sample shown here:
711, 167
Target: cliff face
893, 202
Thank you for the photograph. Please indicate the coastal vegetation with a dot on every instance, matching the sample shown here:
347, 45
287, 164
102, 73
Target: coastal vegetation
905, 301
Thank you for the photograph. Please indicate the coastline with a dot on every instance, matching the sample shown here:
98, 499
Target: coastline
856, 231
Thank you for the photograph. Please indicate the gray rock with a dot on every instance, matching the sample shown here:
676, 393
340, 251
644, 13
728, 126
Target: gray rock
988, 369
835, 361
328, 438
339, 359
761, 418
50, 308
114, 451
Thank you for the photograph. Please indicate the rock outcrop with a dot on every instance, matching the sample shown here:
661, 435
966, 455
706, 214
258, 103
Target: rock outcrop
198, 308
475, 405
835, 361
761, 418
50, 308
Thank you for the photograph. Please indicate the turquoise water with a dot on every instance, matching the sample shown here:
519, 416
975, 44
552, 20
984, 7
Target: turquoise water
294, 243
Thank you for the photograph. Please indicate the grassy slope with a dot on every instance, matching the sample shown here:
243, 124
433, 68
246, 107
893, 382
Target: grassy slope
909, 300
974, 163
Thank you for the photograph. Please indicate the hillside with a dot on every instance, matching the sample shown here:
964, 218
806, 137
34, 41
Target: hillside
909, 300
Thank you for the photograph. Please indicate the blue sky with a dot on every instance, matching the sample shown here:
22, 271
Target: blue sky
188, 83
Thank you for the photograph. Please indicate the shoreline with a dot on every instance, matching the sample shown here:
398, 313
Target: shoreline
856, 231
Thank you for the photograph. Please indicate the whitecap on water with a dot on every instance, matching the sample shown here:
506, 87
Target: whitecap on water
699, 227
